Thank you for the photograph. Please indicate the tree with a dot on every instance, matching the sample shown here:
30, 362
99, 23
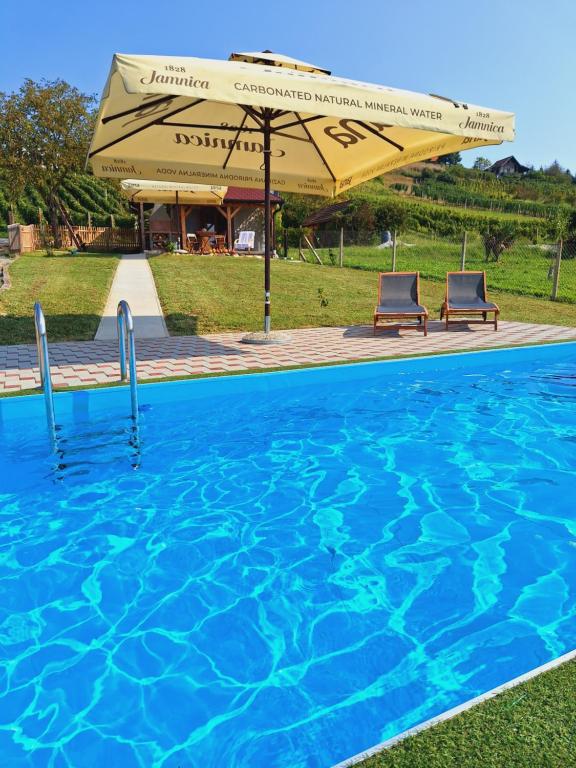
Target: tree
391, 215
481, 164
554, 169
452, 158
45, 131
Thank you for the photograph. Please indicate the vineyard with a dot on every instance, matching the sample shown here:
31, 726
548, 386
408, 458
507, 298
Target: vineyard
88, 200
536, 194
443, 192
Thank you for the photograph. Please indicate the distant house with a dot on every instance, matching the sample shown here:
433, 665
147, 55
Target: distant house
507, 166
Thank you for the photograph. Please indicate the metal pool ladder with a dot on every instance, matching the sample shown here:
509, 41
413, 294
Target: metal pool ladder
44, 366
126, 328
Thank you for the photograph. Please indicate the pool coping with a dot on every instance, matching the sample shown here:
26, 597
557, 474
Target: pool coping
449, 714
30, 392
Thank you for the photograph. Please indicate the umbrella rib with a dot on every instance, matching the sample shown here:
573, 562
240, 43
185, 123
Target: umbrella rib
298, 122
231, 149
158, 121
290, 136
316, 147
369, 128
138, 108
216, 127
253, 114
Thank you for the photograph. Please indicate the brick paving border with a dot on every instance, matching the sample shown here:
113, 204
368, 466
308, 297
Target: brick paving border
81, 363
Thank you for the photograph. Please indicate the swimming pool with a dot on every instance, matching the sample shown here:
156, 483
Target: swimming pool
288, 568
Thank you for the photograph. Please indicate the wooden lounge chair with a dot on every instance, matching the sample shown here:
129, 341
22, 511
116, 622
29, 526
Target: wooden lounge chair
465, 297
399, 299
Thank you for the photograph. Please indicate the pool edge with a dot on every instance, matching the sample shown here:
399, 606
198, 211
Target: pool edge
250, 372
454, 711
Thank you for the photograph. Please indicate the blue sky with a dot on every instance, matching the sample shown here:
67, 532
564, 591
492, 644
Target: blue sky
509, 54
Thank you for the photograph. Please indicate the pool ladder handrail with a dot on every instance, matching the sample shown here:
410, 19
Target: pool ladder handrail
125, 325
44, 367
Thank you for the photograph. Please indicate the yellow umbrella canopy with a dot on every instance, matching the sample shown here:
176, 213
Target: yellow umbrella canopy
261, 118
185, 119
146, 191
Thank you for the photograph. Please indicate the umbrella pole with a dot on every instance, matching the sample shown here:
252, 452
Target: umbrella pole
266, 336
267, 222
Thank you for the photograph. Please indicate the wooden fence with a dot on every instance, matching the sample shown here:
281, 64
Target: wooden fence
30, 238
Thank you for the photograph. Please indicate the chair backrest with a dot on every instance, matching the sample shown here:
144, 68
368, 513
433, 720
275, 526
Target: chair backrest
466, 286
398, 288
246, 237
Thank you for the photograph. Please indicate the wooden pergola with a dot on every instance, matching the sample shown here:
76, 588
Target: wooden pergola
236, 200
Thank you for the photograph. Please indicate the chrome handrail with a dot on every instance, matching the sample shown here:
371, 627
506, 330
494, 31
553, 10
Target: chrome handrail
44, 367
125, 326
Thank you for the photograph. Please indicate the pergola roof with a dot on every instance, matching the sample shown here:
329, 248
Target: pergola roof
241, 195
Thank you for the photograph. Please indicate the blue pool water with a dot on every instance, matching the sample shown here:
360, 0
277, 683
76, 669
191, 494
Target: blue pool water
291, 568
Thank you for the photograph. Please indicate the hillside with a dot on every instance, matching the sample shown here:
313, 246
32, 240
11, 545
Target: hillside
448, 199
424, 196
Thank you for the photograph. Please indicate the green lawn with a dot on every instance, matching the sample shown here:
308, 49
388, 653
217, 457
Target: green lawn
203, 294
530, 726
522, 269
72, 289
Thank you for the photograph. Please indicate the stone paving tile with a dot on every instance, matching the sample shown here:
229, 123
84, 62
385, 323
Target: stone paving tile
77, 363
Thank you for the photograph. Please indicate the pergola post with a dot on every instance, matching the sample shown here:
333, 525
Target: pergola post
183, 233
229, 228
141, 220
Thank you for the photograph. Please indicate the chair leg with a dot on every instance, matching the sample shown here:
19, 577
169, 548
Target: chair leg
425, 326
484, 316
446, 319
496, 320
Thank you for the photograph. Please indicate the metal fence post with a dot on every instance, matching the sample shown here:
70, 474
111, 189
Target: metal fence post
341, 246
463, 251
394, 251
554, 294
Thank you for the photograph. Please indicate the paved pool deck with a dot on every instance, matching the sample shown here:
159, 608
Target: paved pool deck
96, 362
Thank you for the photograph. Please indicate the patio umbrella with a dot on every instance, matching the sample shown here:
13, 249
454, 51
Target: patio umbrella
262, 118
172, 193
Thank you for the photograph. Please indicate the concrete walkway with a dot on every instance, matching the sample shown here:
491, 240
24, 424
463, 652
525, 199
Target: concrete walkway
78, 363
134, 282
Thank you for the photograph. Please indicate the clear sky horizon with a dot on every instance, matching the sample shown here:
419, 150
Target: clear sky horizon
506, 54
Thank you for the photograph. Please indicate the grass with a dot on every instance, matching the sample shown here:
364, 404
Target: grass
204, 294
523, 269
531, 725
72, 289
